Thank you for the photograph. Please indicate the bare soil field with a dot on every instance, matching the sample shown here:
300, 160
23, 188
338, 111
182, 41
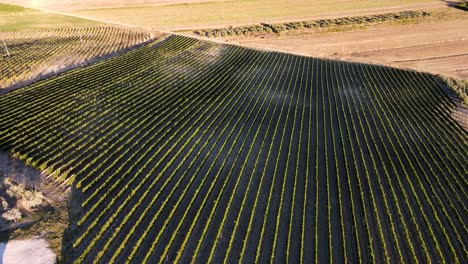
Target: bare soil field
187, 14
439, 46
450, 57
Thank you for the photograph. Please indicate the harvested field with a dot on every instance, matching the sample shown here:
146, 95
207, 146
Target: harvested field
437, 47
449, 58
178, 15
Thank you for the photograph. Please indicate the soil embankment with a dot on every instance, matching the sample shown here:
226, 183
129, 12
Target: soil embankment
34, 207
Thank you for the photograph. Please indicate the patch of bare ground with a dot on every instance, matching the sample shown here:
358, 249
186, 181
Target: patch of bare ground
30, 251
40, 204
449, 58
436, 45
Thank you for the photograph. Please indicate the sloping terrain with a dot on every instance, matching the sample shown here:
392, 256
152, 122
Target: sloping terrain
191, 14
32, 55
17, 18
185, 150
437, 45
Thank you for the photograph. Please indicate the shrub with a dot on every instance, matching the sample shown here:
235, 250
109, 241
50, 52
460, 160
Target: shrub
322, 23
460, 87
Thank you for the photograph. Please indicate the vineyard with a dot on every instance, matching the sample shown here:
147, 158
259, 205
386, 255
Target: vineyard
192, 151
28, 56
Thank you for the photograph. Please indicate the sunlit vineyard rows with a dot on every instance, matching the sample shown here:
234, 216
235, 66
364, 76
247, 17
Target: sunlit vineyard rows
192, 151
27, 56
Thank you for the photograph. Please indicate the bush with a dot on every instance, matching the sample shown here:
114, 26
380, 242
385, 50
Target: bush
322, 23
460, 87
463, 6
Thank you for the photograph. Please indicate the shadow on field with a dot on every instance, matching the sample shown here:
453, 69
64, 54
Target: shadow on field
74, 210
51, 220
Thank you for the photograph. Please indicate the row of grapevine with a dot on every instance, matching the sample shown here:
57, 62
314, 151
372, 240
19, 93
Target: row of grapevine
35, 54
192, 151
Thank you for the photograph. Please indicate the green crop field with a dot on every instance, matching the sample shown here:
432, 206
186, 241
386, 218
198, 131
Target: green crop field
185, 150
16, 18
31, 55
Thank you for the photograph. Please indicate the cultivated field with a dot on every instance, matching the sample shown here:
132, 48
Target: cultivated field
16, 18
437, 44
185, 150
28, 56
190, 14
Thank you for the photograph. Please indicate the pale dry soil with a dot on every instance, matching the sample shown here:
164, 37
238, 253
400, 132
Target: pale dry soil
437, 46
30, 251
189, 14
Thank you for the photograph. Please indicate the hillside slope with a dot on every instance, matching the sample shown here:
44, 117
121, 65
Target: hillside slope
189, 150
32, 55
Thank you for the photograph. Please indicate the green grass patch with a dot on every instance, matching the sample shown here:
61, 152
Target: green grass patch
315, 24
11, 8
17, 18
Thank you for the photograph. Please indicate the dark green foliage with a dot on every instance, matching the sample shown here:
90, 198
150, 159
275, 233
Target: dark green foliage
462, 6
192, 151
316, 24
460, 87
11, 8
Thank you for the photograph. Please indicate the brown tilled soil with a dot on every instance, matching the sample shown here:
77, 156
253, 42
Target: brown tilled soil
438, 45
450, 58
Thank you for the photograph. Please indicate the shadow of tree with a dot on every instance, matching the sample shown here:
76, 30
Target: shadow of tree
74, 211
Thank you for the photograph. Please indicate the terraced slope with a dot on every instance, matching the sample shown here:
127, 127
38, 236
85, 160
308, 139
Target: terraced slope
28, 56
193, 151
